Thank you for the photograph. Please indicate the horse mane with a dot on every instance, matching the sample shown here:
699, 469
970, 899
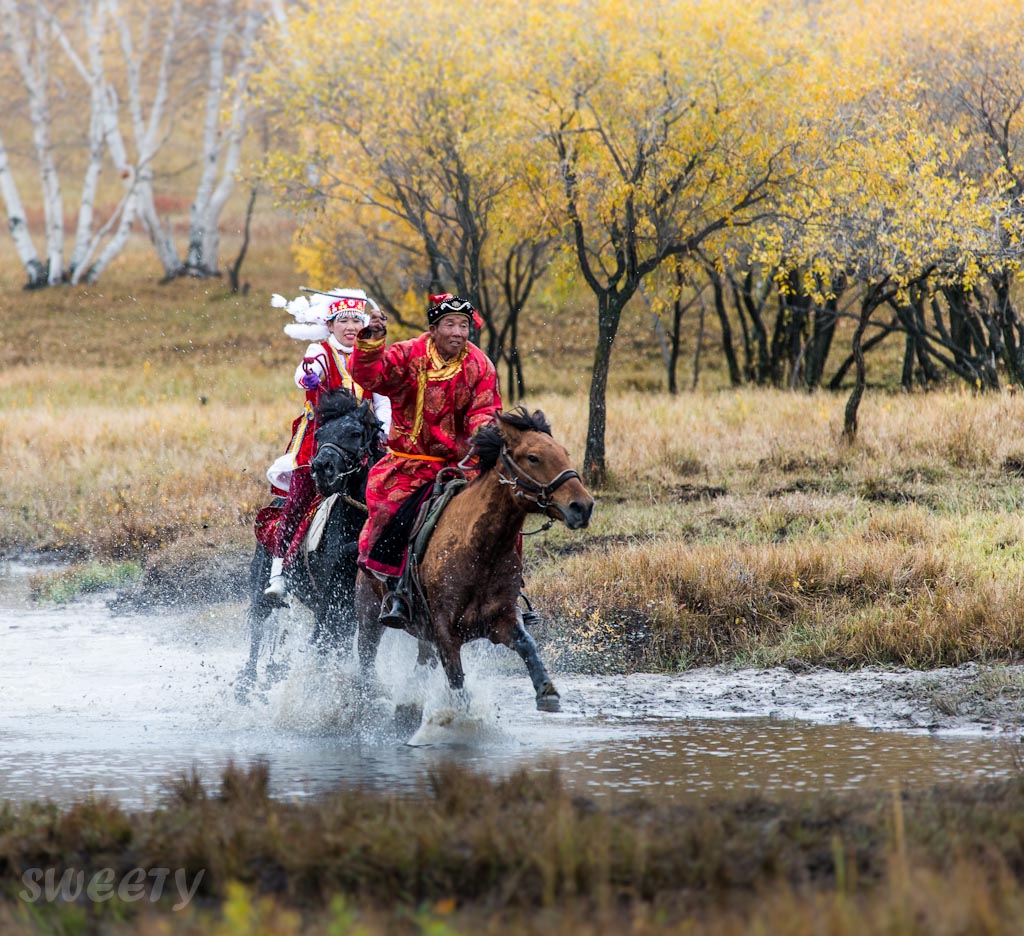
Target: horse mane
489, 440
334, 405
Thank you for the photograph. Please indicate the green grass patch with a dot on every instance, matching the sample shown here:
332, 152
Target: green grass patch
82, 579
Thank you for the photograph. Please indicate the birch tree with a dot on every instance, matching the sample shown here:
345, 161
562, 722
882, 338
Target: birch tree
136, 63
222, 145
17, 223
30, 43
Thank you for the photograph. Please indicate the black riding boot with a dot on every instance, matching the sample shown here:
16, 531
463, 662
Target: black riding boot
395, 610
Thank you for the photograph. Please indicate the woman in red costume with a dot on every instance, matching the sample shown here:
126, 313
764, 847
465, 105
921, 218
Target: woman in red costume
338, 316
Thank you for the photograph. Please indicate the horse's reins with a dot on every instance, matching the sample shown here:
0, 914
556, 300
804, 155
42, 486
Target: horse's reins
344, 453
530, 489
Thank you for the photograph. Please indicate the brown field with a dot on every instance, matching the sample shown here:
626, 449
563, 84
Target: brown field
135, 424
136, 421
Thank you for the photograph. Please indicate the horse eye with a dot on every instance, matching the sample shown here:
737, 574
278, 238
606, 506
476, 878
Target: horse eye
533, 458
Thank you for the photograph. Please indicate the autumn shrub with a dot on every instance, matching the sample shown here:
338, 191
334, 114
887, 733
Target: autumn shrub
468, 853
850, 602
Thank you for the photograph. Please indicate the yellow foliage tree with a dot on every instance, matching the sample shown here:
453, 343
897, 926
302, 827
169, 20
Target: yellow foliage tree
666, 129
409, 158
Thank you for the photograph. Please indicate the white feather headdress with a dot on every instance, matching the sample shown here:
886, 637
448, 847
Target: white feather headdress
312, 316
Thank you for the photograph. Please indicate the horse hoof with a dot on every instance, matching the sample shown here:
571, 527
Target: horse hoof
243, 686
408, 717
548, 699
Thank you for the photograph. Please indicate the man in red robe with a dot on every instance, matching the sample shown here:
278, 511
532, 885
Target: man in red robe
442, 388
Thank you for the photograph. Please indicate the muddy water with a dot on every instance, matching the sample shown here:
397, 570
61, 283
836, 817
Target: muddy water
120, 704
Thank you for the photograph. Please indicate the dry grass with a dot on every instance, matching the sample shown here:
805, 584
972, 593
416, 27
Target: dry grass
469, 854
735, 524
721, 535
853, 602
737, 527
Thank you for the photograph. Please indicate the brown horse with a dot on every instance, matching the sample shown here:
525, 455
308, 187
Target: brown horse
471, 572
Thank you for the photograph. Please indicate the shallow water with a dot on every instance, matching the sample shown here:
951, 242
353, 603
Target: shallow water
120, 705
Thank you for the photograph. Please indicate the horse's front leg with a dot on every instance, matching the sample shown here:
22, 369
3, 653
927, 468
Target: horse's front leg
548, 699
449, 649
257, 614
335, 621
246, 678
367, 608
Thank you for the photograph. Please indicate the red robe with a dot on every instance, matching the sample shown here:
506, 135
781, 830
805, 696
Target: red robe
436, 407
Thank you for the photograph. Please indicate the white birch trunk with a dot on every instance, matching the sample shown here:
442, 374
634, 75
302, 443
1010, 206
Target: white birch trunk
147, 137
276, 8
18, 225
195, 262
35, 75
233, 150
128, 211
94, 17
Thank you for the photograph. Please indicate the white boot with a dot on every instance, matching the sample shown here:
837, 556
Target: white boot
276, 588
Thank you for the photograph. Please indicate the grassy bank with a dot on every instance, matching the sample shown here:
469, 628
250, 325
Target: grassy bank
471, 855
735, 526
756, 539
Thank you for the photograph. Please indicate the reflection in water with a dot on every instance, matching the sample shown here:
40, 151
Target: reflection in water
704, 758
681, 761
120, 705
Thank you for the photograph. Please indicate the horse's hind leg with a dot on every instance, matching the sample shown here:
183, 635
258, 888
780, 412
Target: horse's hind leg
425, 653
548, 699
367, 609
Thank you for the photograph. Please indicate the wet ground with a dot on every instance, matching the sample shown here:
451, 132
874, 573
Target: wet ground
119, 704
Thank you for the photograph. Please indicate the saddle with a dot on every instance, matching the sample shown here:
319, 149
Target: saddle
318, 524
443, 491
448, 483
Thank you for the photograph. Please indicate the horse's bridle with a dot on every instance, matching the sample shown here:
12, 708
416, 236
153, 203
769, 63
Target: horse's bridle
529, 488
361, 458
345, 454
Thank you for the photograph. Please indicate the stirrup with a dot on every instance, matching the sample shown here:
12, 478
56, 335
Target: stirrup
531, 618
528, 617
394, 610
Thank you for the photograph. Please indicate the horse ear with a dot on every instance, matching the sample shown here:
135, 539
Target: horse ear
368, 416
508, 432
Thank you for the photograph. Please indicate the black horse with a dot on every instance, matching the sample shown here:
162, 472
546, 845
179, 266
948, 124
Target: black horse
348, 443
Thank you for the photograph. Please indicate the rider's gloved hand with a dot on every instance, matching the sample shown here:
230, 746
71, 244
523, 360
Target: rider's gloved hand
311, 380
377, 327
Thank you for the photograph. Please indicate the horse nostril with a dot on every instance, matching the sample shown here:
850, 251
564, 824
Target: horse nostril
583, 510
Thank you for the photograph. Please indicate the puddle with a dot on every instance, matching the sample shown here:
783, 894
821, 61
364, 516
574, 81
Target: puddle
119, 704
